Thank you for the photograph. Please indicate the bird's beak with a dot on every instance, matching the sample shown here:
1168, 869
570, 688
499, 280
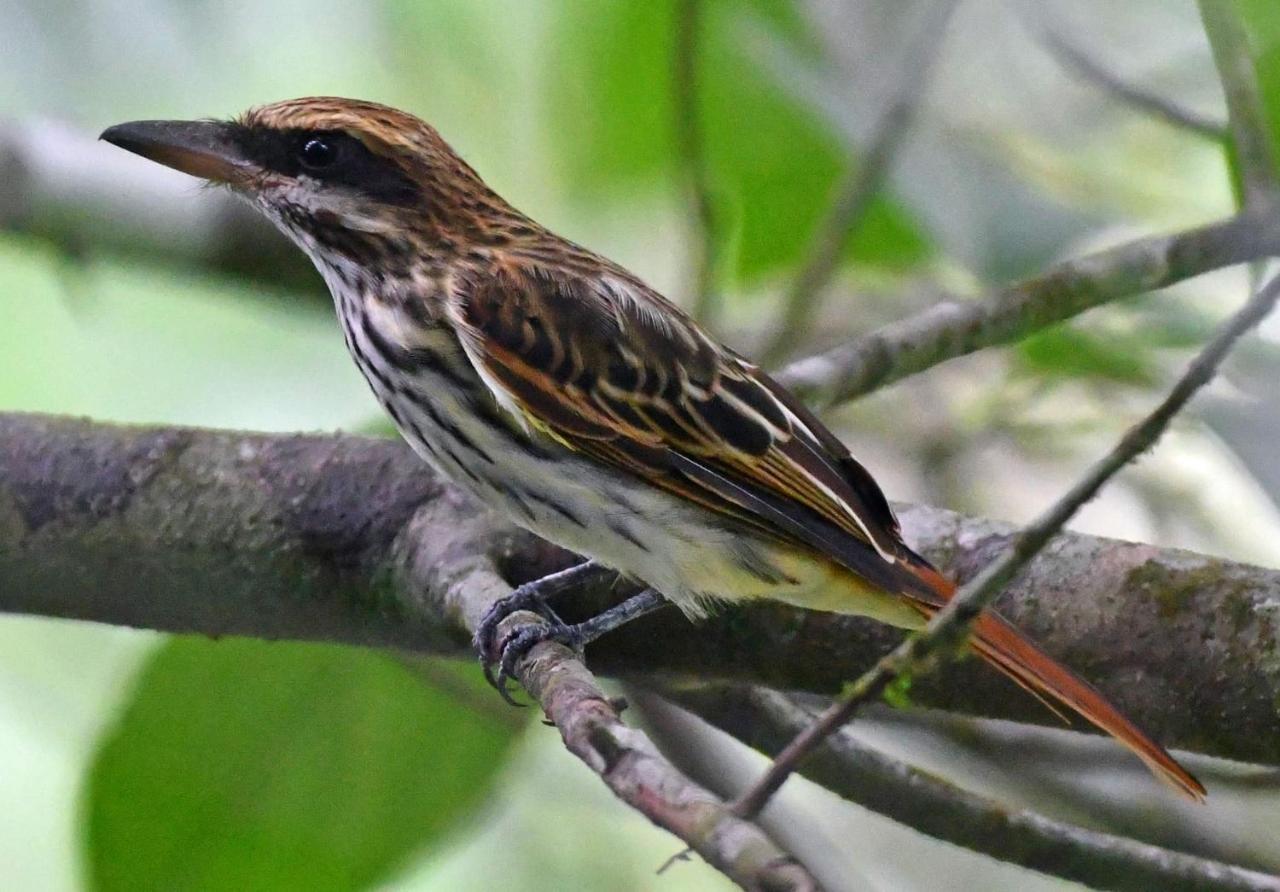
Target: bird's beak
205, 149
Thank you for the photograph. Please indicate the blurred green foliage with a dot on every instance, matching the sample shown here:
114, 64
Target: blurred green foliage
1262, 22
773, 163
237, 764
250, 765
1066, 351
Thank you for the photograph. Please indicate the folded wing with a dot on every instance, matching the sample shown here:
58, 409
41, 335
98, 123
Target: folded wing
613, 371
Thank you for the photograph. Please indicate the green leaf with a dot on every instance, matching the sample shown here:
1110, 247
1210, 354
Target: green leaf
247, 765
1261, 19
1070, 352
898, 692
773, 163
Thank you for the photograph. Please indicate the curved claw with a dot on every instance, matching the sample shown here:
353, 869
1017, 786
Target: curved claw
530, 596
500, 685
523, 598
523, 639
497, 683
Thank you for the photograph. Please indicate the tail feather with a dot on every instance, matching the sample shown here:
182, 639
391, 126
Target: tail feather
1004, 647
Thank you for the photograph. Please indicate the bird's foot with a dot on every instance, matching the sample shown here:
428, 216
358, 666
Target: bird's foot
534, 596
523, 638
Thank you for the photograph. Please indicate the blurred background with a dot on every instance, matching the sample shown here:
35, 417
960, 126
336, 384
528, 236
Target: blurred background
128, 293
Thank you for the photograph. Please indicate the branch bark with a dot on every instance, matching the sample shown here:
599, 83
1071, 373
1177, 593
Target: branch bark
954, 328
768, 721
311, 537
334, 537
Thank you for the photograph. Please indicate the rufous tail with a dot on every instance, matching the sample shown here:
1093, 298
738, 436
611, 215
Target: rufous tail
1004, 647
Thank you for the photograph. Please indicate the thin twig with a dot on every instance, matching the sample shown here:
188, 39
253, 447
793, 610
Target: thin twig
767, 720
445, 561
710, 757
957, 328
1250, 136
950, 626
588, 721
1162, 108
691, 149
633, 768
855, 193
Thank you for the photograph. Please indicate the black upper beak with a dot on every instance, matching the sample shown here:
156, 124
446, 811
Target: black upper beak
206, 149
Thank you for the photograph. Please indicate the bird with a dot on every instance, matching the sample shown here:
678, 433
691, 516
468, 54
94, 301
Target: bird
557, 387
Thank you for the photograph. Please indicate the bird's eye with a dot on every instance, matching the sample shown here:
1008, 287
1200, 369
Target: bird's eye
317, 153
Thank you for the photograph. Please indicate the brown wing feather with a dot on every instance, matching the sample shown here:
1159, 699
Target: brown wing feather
614, 371
622, 376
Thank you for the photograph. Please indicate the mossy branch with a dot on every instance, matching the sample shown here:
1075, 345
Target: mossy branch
340, 538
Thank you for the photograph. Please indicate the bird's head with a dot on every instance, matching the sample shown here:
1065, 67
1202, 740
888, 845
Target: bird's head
352, 182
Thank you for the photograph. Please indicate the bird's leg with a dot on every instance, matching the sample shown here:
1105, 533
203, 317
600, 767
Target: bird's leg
533, 595
576, 636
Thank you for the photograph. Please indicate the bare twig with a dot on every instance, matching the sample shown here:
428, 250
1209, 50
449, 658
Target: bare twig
707, 755
466, 582
1250, 137
768, 720
691, 149
956, 328
1162, 108
854, 195
640, 776
950, 626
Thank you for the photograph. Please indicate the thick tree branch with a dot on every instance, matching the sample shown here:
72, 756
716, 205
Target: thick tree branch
853, 196
332, 538
768, 721
955, 328
309, 537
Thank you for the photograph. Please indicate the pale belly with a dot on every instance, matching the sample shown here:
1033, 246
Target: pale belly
678, 548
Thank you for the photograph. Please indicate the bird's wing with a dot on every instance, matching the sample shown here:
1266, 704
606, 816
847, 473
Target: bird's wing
614, 372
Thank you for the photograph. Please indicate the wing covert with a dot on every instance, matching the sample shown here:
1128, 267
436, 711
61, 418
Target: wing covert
612, 370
